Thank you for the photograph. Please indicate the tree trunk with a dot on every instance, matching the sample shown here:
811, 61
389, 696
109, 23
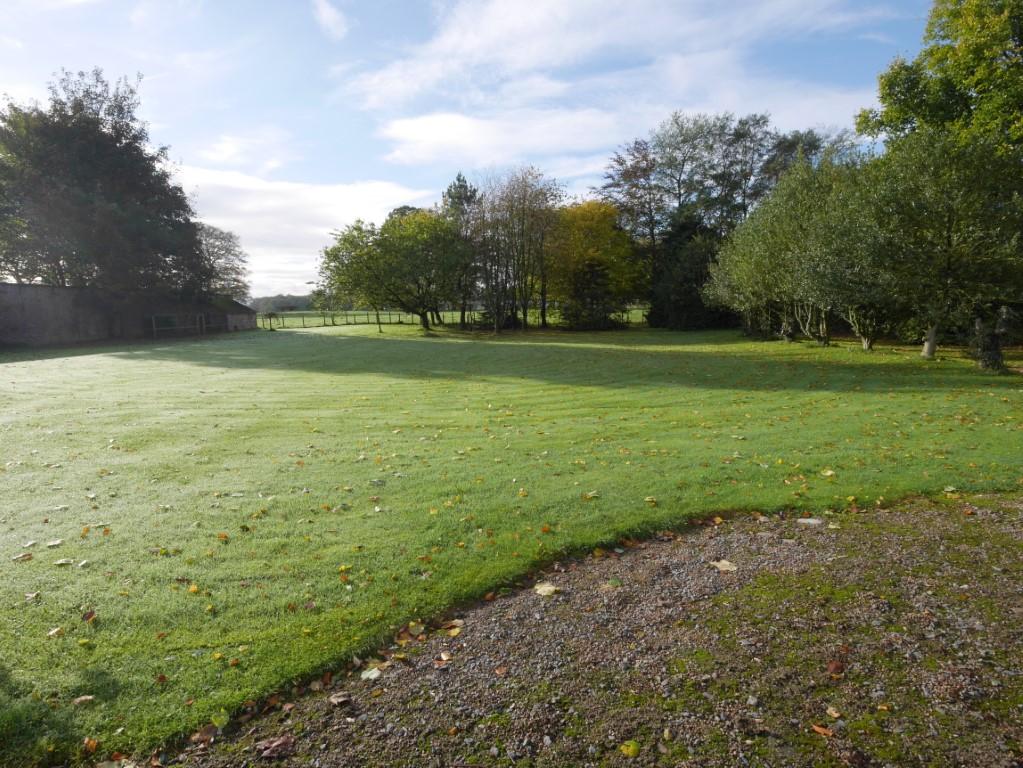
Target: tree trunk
986, 347
930, 343
543, 300
461, 317
424, 320
380, 328
868, 343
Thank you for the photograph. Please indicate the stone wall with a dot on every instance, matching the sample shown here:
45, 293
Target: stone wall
41, 314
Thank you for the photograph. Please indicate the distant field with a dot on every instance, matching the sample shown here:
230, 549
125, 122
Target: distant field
314, 319
254, 508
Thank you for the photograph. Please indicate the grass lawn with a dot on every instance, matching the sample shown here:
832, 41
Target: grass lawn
256, 508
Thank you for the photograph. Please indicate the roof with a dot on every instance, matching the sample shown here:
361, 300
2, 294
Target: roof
230, 306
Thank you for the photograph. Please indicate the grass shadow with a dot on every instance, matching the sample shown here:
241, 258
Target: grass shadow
613, 360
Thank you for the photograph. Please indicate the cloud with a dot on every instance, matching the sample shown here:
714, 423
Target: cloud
330, 19
481, 43
502, 139
622, 105
283, 225
261, 150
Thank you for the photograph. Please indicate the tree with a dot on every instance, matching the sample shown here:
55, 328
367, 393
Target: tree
634, 185
226, 262
967, 79
350, 269
527, 206
591, 266
458, 204
953, 215
411, 263
92, 203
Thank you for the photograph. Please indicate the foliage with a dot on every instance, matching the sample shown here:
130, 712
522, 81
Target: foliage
686, 188
952, 213
281, 303
593, 274
86, 201
967, 80
226, 262
411, 263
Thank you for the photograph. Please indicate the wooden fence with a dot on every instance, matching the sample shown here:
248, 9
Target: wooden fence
314, 319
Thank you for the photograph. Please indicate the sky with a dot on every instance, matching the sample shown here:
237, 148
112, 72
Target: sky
287, 119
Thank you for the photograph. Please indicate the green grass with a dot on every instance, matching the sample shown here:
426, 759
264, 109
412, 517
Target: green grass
482, 451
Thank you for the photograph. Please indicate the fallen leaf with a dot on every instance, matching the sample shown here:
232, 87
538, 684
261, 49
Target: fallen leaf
545, 589
83, 700
340, 699
370, 674
64, 562
651, 500
590, 496
204, 735
501, 671
90, 744
827, 473
836, 668
833, 713
56, 632
826, 732
89, 617
454, 632
724, 566
23, 557
629, 748
220, 719
54, 543
31, 597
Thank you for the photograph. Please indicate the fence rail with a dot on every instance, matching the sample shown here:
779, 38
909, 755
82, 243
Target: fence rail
314, 319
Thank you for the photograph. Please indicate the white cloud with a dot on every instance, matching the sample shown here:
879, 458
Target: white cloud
330, 19
482, 42
502, 139
260, 150
567, 142
283, 225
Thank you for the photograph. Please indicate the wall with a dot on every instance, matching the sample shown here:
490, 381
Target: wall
42, 314
38, 315
240, 322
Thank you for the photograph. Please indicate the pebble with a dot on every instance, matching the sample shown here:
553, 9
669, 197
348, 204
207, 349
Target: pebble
811, 522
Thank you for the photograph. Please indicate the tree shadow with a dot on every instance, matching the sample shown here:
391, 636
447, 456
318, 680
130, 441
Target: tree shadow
39, 727
721, 360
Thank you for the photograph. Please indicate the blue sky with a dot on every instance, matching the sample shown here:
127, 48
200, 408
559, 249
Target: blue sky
290, 118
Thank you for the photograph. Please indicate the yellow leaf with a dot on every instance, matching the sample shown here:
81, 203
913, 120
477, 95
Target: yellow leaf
630, 748
545, 589
724, 566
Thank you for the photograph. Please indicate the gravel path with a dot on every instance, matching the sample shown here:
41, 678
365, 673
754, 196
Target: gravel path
889, 637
